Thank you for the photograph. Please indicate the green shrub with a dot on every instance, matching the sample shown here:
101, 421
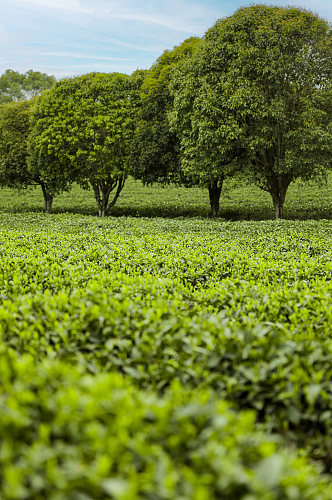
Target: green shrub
243, 309
288, 382
65, 434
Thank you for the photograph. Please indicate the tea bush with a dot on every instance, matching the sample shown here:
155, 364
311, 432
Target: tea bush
287, 381
235, 311
65, 434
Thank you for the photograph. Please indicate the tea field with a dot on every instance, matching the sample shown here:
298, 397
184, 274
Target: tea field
165, 358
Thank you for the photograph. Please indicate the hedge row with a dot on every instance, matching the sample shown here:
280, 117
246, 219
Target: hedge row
288, 382
66, 434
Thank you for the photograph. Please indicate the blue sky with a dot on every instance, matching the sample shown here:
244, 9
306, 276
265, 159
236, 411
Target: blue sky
73, 37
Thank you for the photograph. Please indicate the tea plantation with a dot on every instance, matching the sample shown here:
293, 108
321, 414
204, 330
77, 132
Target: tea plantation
165, 358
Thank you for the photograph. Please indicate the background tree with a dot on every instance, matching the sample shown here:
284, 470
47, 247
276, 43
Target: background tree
82, 132
14, 132
264, 84
15, 86
155, 152
15, 127
210, 146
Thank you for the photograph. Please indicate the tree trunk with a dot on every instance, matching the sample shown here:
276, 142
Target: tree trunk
214, 195
100, 196
278, 189
48, 204
101, 211
278, 209
102, 208
102, 191
48, 199
121, 183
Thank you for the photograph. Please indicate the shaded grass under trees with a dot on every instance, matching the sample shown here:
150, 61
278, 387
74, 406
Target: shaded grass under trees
239, 201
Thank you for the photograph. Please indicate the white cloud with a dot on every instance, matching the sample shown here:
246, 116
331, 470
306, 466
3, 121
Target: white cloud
74, 55
60, 5
114, 34
179, 15
8, 38
127, 45
59, 36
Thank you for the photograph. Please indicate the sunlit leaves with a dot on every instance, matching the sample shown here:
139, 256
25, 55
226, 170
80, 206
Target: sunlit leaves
82, 132
243, 308
257, 93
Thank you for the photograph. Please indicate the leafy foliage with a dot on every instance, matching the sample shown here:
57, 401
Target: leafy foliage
210, 304
14, 132
58, 426
15, 86
82, 131
171, 358
258, 92
155, 153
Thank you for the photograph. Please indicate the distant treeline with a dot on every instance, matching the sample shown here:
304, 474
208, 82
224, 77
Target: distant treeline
252, 98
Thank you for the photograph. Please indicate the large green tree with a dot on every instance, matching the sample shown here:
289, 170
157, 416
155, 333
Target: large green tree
14, 132
82, 132
259, 90
15, 128
209, 142
15, 86
155, 152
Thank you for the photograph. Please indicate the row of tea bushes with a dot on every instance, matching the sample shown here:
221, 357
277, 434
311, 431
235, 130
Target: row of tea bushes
241, 312
66, 434
287, 381
270, 272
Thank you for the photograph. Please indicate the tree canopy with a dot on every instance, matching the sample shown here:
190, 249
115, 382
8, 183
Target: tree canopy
14, 132
82, 132
155, 153
252, 98
258, 92
15, 86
